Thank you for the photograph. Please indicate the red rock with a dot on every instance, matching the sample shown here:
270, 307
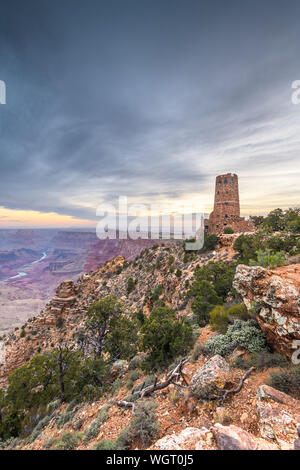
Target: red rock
275, 294
265, 392
278, 415
233, 438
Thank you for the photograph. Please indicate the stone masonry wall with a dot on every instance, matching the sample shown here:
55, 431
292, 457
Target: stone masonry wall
226, 211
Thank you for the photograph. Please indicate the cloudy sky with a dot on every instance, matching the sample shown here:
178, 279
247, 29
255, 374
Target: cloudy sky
146, 98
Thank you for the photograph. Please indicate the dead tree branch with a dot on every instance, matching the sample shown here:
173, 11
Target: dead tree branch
127, 404
239, 387
173, 375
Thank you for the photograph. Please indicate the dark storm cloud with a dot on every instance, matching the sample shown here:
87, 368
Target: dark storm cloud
143, 98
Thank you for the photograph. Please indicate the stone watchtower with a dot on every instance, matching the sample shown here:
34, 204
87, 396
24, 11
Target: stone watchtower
226, 211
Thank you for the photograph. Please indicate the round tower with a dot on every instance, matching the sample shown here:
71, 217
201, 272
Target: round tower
227, 201
226, 211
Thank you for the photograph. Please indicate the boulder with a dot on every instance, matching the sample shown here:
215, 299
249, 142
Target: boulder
265, 392
188, 439
210, 380
233, 438
278, 416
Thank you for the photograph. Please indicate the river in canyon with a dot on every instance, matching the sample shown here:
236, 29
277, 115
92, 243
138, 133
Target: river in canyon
20, 271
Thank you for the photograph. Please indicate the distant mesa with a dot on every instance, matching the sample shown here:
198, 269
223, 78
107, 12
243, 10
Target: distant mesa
226, 211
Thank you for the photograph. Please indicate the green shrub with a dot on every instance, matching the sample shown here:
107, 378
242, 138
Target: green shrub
59, 322
43, 422
106, 444
68, 441
38, 429
164, 338
198, 350
268, 259
71, 405
130, 285
261, 361
108, 330
244, 334
220, 317
136, 362
116, 385
143, 426
204, 302
132, 377
33, 436
228, 230
132, 397
219, 275
210, 242
77, 421
12, 443
103, 414
287, 381
65, 418
93, 429
157, 292
50, 443
246, 246
147, 381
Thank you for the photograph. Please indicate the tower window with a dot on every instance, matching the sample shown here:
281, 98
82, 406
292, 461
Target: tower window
225, 181
232, 180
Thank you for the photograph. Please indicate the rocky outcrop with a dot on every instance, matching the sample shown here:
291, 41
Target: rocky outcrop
274, 295
233, 438
228, 239
60, 305
64, 315
217, 437
188, 439
210, 379
278, 416
65, 296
